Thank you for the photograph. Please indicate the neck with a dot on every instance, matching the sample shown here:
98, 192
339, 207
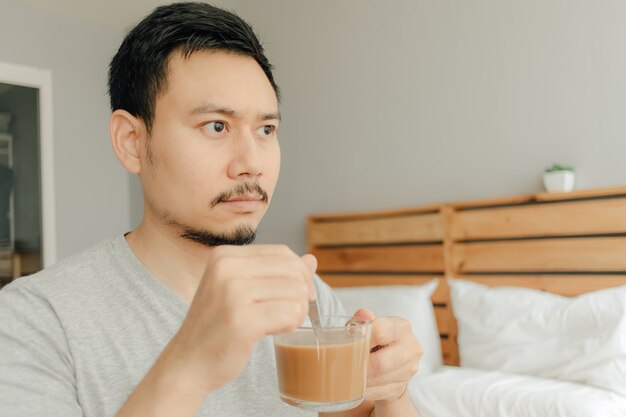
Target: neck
176, 262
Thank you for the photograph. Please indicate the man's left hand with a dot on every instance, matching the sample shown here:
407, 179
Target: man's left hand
394, 357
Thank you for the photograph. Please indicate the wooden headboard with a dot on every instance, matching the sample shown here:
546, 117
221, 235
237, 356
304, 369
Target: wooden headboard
566, 244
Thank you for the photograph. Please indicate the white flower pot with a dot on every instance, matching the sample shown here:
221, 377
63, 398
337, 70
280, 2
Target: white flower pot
559, 181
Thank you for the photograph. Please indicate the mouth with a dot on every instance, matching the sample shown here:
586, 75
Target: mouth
245, 203
245, 197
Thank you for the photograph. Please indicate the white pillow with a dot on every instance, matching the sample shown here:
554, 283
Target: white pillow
411, 302
580, 339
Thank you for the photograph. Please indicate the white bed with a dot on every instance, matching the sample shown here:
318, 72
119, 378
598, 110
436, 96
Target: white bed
463, 392
580, 361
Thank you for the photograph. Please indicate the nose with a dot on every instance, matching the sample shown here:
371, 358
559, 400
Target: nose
246, 158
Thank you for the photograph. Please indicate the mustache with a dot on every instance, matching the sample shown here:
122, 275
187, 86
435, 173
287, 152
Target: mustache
240, 189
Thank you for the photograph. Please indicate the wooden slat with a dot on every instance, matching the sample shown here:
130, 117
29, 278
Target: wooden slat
545, 255
567, 285
361, 215
356, 280
447, 327
587, 193
442, 315
399, 229
543, 196
562, 219
450, 352
496, 201
418, 258
448, 214
446, 321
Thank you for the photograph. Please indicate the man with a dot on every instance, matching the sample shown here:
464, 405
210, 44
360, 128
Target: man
175, 318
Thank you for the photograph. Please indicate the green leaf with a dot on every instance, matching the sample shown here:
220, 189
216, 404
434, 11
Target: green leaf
559, 168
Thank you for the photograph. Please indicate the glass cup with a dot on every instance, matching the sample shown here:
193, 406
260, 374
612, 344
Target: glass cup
325, 372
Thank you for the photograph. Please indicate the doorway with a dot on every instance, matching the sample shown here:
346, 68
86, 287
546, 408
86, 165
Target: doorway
27, 234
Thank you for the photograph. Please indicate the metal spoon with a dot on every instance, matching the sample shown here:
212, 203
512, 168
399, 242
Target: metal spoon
314, 316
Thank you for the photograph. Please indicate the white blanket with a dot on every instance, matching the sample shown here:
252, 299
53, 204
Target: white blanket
465, 392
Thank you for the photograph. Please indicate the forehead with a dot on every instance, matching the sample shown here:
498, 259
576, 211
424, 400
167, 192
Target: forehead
228, 79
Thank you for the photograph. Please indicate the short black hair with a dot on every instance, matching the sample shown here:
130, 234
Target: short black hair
138, 71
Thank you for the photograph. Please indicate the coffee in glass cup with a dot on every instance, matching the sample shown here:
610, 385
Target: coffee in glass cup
327, 371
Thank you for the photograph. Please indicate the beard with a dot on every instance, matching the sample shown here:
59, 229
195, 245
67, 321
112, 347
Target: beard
243, 235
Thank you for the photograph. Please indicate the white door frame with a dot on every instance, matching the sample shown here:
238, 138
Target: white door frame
42, 80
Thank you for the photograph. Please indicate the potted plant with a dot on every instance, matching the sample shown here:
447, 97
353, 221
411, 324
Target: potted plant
559, 178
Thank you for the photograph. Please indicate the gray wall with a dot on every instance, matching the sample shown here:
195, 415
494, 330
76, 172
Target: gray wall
385, 104
92, 191
23, 104
392, 104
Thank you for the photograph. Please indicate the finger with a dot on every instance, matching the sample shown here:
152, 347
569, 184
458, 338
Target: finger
386, 392
275, 317
249, 268
403, 373
224, 251
364, 314
287, 264
270, 283
272, 265
310, 262
386, 330
264, 249
392, 357
266, 266
270, 288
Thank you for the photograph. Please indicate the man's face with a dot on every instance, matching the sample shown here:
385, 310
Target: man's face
212, 160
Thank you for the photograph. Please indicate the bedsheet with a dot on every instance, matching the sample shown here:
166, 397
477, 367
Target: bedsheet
465, 392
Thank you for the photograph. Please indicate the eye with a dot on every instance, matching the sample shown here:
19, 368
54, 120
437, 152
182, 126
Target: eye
215, 127
266, 130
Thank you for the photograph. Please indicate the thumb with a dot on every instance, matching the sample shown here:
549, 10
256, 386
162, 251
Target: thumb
364, 313
310, 261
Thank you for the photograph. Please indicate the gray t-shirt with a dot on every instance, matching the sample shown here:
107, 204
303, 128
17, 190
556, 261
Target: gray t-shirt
76, 338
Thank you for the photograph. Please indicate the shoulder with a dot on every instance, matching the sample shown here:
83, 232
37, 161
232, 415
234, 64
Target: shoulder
65, 277
40, 303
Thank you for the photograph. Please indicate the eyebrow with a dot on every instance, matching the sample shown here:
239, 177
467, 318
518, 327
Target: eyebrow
213, 108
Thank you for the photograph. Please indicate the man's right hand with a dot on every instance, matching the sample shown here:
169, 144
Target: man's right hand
246, 293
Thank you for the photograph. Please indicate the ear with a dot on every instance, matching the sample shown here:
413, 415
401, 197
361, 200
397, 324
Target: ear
127, 136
